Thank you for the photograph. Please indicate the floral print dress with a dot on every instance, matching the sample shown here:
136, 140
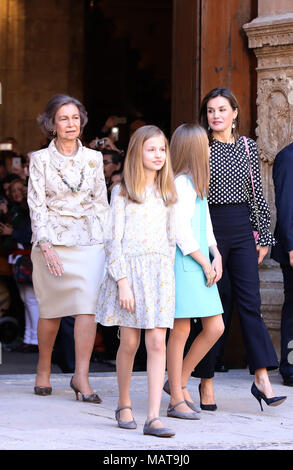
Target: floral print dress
140, 245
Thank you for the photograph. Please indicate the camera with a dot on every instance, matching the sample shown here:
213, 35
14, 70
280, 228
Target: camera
16, 163
100, 143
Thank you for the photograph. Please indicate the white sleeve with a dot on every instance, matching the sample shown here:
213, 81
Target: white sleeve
116, 263
36, 198
184, 210
210, 232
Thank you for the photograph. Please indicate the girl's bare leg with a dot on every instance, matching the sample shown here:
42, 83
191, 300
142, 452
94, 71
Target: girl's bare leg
175, 350
155, 341
212, 329
129, 343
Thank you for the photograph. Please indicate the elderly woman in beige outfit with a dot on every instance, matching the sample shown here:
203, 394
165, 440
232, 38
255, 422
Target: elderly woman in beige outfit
68, 207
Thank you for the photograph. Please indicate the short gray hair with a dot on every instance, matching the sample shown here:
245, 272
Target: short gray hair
47, 119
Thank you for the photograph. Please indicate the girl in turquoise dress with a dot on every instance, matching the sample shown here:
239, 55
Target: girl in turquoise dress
195, 276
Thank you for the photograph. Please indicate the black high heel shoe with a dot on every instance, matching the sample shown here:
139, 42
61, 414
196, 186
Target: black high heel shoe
274, 401
90, 398
211, 407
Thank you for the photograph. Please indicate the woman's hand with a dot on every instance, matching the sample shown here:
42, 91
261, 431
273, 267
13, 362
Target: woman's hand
126, 297
261, 252
52, 259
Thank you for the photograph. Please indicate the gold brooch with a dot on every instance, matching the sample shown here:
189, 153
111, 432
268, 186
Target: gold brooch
92, 163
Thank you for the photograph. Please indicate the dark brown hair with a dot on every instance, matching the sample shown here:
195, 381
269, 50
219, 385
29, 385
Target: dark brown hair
225, 93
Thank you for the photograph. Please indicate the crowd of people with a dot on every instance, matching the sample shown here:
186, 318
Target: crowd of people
180, 218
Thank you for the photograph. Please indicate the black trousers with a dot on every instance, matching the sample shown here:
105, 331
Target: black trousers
236, 244
286, 363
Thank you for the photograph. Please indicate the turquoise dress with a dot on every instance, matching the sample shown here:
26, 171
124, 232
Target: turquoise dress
193, 299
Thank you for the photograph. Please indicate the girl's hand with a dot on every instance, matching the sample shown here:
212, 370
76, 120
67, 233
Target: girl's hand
217, 266
52, 259
126, 297
208, 269
261, 252
210, 274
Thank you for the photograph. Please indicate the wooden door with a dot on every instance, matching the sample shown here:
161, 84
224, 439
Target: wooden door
210, 49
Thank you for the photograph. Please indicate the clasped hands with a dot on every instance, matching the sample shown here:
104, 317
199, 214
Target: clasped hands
213, 272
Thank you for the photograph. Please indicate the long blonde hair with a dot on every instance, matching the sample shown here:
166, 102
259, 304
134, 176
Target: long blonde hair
190, 154
133, 180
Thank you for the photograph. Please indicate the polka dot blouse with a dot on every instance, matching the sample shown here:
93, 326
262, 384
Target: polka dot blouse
230, 183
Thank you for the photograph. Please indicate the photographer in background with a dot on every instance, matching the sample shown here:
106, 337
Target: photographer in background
113, 163
114, 135
17, 241
12, 163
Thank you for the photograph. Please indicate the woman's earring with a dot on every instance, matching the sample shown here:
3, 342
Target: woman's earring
54, 132
209, 128
233, 124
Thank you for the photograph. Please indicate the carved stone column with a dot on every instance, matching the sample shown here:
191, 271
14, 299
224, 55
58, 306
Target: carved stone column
271, 37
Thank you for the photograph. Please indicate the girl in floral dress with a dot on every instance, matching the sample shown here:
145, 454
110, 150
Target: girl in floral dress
138, 289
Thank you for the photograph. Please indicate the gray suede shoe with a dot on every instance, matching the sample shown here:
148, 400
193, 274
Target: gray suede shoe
158, 432
172, 413
191, 404
124, 424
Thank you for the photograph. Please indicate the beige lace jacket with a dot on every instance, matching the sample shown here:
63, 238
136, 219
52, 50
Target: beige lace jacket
58, 214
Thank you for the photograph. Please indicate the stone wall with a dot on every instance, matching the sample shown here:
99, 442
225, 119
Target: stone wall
41, 54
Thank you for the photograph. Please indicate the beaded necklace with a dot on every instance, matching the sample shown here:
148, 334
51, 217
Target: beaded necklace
73, 189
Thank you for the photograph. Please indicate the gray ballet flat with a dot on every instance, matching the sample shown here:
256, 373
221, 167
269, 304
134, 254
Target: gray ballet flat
124, 424
191, 404
172, 413
158, 432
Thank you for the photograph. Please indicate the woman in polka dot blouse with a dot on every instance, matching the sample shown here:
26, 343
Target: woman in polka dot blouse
234, 216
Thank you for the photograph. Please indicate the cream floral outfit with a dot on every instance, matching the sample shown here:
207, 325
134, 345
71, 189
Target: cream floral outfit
74, 222
140, 245
57, 214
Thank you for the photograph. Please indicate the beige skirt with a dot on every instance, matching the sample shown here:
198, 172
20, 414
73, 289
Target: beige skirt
76, 291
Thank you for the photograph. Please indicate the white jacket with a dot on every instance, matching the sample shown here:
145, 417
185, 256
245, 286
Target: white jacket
58, 214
